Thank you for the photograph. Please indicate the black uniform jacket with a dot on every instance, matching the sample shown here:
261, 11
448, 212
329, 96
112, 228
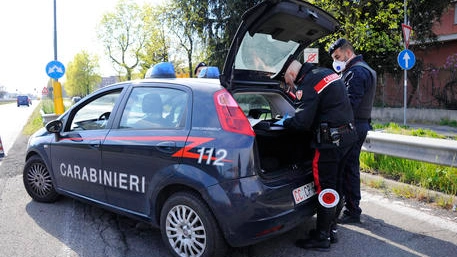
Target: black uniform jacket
323, 99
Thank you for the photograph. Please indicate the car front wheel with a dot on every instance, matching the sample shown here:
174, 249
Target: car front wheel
188, 227
38, 181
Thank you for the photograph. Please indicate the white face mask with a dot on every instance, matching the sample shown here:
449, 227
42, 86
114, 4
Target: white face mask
339, 66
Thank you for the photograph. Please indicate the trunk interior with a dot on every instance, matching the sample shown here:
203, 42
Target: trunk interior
282, 151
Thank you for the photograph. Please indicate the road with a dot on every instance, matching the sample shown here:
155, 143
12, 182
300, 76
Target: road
13, 119
69, 228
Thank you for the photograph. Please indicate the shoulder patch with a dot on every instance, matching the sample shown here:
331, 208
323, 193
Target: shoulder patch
321, 85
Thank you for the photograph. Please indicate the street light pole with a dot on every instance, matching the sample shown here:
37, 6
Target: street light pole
57, 87
405, 76
55, 32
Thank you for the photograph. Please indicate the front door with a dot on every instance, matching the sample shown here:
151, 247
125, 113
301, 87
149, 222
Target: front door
76, 155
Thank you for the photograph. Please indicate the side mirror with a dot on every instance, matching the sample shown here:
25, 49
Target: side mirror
54, 126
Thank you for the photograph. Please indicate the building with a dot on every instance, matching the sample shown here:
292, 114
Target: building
106, 81
435, 85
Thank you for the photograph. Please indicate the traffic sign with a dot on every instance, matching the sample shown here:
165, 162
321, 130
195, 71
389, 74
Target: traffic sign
406, 33
55, 69
44, 91
311, 55
406, 59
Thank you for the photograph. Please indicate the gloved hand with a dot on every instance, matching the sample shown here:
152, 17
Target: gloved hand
281, 121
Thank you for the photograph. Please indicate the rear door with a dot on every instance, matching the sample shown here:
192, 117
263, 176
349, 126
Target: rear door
142, 148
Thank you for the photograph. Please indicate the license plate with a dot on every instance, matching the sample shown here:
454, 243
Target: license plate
304, 192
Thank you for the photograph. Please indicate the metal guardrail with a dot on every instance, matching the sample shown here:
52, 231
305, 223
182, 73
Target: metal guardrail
432, 150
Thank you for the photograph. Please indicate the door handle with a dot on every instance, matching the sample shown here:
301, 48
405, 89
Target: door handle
166, 146
95, 144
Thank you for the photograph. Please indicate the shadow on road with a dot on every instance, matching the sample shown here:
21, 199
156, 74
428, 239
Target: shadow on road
91, 231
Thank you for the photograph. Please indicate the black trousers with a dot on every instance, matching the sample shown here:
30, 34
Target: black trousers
351, 174
328, 167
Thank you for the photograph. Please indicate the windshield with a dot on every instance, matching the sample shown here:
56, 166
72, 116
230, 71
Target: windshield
261, 52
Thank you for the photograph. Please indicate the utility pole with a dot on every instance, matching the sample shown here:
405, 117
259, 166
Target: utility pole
57, 87
55, 31
405, 72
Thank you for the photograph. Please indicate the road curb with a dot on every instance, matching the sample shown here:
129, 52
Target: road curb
388, 185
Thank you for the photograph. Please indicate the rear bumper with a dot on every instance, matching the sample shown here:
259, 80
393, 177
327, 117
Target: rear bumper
248, 211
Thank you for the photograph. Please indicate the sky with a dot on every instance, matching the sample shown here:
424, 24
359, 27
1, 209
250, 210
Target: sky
27, 38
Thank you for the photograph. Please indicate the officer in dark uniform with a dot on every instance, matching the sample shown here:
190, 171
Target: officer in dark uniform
199, 67
360, 81
324, 108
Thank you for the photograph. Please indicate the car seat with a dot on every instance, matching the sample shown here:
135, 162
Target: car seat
152, 108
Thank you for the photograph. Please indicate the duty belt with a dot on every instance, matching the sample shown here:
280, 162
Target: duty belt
325, 134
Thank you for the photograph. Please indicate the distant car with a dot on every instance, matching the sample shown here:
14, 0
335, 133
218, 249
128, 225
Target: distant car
199, 158
23, 100
75, 99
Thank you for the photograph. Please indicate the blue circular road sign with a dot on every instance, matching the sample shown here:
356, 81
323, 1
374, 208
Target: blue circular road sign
55, 69
406, 59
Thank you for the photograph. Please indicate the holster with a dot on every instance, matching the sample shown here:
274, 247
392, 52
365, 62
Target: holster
328, 135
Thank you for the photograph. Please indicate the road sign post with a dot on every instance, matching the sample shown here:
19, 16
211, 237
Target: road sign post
55, 70
406, 59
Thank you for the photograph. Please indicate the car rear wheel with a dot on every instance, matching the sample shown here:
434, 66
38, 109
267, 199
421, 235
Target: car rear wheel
38, 181
188, 227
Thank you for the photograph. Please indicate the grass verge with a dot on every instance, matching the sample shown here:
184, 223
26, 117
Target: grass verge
421, 174
35, 121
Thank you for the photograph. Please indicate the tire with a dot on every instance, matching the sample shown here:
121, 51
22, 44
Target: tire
189, 229
38, 182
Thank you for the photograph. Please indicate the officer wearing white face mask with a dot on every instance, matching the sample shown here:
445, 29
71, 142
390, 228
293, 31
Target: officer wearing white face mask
360, 81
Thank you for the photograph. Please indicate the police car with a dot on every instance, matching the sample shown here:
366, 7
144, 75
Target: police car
199, 158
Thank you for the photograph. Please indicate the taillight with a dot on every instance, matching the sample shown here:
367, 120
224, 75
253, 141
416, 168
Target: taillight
230, 115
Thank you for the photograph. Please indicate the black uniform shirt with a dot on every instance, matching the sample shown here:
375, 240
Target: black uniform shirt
323, 99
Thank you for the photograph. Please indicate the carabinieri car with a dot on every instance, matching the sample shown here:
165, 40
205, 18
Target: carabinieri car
198, 158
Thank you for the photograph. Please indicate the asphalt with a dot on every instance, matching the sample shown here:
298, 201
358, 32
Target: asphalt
447, 131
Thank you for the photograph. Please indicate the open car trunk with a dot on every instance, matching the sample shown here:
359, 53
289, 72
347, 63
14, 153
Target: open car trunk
281, 151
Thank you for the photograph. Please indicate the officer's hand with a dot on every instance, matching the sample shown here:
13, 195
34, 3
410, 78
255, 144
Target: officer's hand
281, 121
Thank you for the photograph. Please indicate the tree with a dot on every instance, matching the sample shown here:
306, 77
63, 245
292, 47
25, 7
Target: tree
124, 35
374, 28
222, 21
81, 75
185, 20
157, 47
205, 29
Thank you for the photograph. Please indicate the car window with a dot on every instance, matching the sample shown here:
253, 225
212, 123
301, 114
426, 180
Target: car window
95, 114
254, 105
261, 52
154, 108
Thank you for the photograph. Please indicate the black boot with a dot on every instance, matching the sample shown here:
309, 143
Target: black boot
319, 241
333, 226
333, 234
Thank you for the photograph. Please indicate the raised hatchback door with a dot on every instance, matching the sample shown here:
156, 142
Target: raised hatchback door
269, 33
